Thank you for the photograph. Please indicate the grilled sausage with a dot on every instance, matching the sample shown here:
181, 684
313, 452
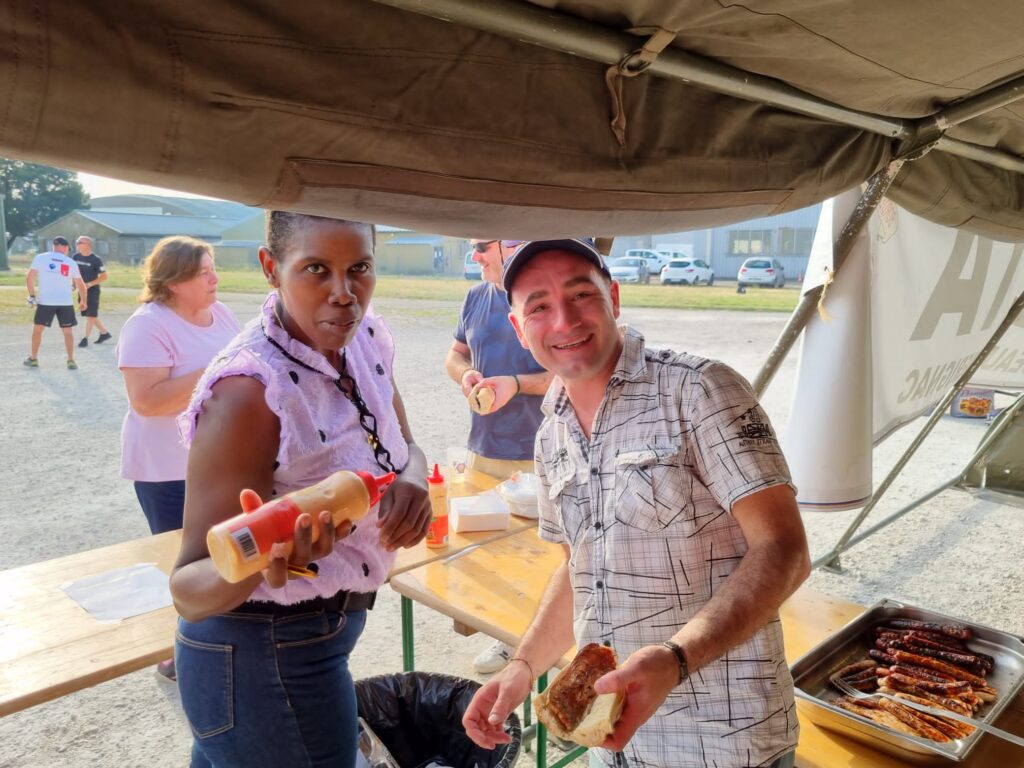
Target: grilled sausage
952, 630
902, 657
943, 689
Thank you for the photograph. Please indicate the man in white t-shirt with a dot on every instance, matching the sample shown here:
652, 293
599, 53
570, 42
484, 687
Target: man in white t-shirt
57, 273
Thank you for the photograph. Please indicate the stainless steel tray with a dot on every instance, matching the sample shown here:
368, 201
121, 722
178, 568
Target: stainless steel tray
815, 696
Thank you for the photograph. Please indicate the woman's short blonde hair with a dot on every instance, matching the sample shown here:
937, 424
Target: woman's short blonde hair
173, 260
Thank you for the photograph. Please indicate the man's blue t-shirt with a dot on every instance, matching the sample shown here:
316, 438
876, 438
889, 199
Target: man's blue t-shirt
495, 351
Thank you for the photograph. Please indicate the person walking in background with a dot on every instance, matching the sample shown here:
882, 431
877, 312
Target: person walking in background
486, 353
93, 273
57, 272
163, 350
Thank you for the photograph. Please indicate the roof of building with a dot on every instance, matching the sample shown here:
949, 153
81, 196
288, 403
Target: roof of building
155, 225
180, 206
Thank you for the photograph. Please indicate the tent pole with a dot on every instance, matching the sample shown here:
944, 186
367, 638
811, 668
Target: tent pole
877, 186
1005, 419
977, 104
561, 32
831, 560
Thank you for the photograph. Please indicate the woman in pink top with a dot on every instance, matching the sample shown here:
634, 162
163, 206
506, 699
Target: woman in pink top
304, 390
163, 349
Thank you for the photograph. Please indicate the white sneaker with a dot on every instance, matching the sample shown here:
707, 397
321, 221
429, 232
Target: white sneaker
492, 658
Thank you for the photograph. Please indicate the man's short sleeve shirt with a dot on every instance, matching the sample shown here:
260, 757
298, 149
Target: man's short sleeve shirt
644, 505
90, 266
495, 351
56, 273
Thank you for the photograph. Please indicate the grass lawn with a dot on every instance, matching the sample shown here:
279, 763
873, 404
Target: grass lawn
455, 288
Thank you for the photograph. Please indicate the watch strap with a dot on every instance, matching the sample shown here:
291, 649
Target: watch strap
684, 668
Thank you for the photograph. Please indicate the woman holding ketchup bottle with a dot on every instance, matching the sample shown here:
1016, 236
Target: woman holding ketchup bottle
304, 390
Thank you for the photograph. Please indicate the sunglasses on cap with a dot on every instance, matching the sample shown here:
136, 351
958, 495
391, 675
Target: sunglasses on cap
483, 245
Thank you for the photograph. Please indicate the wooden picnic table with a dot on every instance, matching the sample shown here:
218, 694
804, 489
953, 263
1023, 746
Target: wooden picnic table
50, 646
495, 589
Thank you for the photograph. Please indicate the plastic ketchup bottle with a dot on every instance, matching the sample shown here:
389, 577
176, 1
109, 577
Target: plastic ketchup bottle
240, 547
437, 488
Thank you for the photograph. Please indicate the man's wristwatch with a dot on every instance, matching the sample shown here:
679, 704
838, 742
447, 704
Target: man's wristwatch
684, 668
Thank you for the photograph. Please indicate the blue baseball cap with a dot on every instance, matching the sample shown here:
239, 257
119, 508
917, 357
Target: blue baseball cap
581, 246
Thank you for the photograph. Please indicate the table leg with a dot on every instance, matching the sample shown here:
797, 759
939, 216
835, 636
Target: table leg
408, 642
527, 712
542, 732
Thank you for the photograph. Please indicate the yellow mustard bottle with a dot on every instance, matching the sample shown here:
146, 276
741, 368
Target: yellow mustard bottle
437, 489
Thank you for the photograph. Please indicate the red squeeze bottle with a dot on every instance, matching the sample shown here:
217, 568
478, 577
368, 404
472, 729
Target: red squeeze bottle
240, 547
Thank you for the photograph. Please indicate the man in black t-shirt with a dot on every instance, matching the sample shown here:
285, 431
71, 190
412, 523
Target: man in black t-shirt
93, 273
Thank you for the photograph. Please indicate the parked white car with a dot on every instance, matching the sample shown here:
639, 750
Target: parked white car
687, 272
655, 259
471, 269
761, 271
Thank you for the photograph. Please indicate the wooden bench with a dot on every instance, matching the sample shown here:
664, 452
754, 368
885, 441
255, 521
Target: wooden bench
50, 646
495, 589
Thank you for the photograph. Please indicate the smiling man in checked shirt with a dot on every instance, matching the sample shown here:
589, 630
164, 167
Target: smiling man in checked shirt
661, 476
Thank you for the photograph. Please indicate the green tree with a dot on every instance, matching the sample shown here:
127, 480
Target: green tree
35, 195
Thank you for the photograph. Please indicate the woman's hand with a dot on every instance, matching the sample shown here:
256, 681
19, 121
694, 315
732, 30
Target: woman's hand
404, 513
301, 550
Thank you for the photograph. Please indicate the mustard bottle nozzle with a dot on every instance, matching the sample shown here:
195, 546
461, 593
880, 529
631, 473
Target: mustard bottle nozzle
436, 478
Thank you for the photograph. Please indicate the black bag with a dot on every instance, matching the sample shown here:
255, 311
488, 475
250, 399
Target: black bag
418, 716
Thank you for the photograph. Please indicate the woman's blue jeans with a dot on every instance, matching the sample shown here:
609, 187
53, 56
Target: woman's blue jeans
163, 504
270, 692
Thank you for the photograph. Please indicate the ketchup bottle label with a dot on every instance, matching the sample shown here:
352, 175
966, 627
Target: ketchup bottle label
246, 543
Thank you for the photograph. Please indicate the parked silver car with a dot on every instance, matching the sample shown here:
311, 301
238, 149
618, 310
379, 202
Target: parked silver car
629, 269
761, 271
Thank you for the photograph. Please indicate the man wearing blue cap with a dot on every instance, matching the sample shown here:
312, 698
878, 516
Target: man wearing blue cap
503, 384
661, 476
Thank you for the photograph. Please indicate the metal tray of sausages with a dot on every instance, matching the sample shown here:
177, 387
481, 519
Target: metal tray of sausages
815, 697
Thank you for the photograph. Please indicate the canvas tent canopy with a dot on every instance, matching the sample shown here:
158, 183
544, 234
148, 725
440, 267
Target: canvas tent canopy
470, 116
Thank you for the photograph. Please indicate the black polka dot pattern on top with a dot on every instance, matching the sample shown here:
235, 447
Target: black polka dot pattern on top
323, 436
294, 377
380, 369
276, 465
369, 329
366, 570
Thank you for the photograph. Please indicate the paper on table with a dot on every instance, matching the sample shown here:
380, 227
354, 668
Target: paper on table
121, 593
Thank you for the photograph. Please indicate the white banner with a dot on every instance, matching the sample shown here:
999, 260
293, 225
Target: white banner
936, 296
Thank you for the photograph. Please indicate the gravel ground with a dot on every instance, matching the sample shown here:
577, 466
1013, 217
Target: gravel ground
60, 446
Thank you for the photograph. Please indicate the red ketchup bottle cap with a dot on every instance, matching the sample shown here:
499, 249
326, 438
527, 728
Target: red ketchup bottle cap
436, 478
376, 486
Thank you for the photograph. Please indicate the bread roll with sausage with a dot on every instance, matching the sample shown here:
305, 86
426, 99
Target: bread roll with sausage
570, 707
